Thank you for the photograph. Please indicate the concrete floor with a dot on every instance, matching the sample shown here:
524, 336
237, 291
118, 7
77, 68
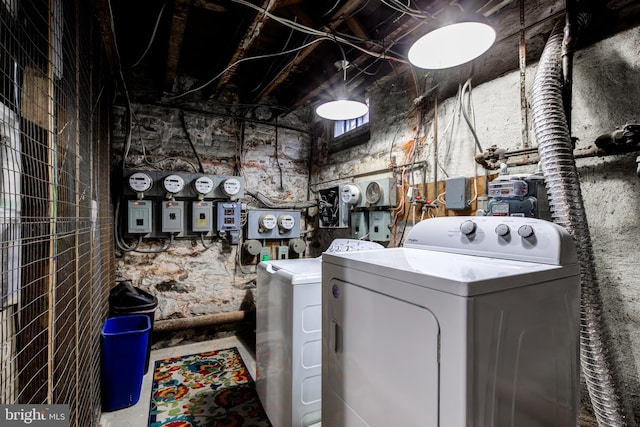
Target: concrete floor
138, 415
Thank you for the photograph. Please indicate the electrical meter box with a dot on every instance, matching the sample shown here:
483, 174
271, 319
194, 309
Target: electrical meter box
379, 223
139, 214
228, 216
173, 217
518, 195
273, 224
202, 217
359, 228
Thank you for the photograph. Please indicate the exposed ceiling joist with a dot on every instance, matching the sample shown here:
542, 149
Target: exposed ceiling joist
338, 18
178, 26
250, 37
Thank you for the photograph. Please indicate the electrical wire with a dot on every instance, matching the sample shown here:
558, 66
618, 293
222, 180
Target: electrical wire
309, 30
153, 36
193, 147
467, 88
248, 58
127, 144
404, 9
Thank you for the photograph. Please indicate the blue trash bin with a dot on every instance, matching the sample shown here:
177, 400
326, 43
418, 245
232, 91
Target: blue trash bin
124, 351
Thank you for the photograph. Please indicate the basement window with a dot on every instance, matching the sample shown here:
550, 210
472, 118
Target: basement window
349, 133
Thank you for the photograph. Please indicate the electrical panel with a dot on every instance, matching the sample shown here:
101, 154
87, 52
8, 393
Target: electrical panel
202, 217
379, 223
333, 210
273, 224
162, 203
228, 216
457, 193
139, 214
173, 217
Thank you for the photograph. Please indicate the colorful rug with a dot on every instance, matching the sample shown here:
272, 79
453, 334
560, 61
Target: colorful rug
206, 389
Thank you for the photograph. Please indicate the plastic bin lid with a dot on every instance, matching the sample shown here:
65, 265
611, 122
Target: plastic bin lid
126, 296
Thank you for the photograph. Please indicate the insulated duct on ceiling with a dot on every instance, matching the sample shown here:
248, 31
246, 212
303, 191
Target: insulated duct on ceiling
566, 203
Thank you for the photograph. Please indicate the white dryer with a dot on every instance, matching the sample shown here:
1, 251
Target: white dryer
474, 322
288, 336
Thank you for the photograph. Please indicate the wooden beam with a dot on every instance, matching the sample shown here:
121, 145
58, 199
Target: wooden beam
250, 37
402, 31
209, 5
108, 39
338, 18
176, 36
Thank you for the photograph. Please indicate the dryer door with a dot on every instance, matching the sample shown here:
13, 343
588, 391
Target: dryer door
372, 377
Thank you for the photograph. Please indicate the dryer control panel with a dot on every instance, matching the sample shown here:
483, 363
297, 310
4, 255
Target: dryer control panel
514, 238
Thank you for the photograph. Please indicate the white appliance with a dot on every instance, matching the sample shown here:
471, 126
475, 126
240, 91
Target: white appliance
474, 322
288, 336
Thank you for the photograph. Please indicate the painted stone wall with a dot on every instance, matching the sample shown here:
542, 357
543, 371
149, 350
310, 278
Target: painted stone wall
605, 93
272, 157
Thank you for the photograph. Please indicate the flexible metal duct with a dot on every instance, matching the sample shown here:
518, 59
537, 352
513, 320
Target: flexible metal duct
565, 200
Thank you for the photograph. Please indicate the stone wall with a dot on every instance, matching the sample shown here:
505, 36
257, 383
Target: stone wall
272, 157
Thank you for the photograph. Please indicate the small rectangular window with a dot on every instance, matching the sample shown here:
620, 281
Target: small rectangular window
343, 126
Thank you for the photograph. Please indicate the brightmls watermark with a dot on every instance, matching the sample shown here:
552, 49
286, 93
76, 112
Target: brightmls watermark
34, 415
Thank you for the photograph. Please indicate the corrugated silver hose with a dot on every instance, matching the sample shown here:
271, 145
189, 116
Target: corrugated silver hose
566, 203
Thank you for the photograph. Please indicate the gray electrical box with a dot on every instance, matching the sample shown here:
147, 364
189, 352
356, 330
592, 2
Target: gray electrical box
359, 227
202, 217
379, 222
283, 252
273, 224
457, 193
228, 216
139, 216
173, 217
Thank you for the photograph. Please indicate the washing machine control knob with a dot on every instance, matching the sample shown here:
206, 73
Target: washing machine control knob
468, 227
525, 231
502, 230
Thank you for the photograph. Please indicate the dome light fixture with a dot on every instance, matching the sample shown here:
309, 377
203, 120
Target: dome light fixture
458, 42
342, 108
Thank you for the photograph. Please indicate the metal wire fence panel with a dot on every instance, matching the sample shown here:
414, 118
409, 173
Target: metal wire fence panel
56, 244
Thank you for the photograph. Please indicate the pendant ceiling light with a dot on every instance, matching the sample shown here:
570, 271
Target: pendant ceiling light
455, 43
342, 108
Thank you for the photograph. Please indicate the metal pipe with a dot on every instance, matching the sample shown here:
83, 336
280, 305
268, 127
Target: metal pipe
202, 321
567, 207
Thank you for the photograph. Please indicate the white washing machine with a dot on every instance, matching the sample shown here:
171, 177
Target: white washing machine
288, 336
474, 322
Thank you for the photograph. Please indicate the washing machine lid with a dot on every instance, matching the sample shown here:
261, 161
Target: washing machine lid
459, 274
295, 271
309, 270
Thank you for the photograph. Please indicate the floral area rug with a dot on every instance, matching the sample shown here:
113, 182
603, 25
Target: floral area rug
205, 389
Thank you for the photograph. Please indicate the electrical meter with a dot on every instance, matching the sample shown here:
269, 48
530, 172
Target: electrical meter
203, 185
373, 193
286, 222
267, 222
231, 187
140, 182
173, 184
350, 194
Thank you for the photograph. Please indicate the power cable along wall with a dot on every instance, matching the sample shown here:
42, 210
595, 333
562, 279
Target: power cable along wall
55, 215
